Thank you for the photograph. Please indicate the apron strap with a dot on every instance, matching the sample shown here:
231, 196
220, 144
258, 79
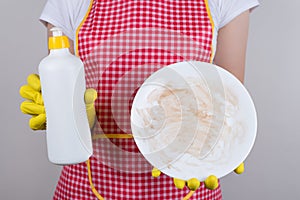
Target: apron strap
94, 190
111, 135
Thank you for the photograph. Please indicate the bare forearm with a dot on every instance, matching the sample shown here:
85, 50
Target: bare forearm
232, 45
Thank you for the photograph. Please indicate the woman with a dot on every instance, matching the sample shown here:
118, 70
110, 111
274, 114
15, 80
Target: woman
97, 29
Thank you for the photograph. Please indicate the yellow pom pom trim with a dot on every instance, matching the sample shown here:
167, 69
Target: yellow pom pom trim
193, 184
211, 182
179, 183
155, 172
240, 169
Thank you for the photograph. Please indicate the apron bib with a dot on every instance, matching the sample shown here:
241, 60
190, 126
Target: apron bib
122, 42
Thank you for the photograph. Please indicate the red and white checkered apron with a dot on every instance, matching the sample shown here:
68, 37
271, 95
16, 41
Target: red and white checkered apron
121, 43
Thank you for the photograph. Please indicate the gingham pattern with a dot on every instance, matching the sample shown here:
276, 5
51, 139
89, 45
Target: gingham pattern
122, 42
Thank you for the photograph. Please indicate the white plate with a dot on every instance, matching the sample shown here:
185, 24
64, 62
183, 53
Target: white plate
193, 119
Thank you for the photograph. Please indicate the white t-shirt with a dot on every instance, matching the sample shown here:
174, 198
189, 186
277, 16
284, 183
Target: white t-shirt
68, 14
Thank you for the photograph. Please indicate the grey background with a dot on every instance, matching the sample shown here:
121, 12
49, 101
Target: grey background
272, 77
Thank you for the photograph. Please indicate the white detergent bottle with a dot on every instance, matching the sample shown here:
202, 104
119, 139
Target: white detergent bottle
63, 86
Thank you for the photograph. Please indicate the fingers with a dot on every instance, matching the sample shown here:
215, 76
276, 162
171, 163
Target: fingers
91, 115
38, 122
29, 93
32, 91
240, 169
90, 96
33, 81
35, 105
32, 108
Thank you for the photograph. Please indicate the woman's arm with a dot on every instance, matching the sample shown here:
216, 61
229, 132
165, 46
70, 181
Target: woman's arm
49, 26
232, 45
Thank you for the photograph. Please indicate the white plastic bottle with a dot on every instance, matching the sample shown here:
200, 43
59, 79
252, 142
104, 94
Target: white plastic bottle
63, 86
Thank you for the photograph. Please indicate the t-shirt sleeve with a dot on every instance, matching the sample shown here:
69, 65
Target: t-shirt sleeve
54, 13
65, 14
229, 9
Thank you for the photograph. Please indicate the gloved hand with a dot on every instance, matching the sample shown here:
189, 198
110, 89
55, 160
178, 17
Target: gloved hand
34, 104
211, 182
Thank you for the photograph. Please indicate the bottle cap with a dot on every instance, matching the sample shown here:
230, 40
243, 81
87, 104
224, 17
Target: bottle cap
58, 40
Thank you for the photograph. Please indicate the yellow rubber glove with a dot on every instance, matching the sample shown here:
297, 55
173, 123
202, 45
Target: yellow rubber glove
34, 104
211, 182
90, 96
